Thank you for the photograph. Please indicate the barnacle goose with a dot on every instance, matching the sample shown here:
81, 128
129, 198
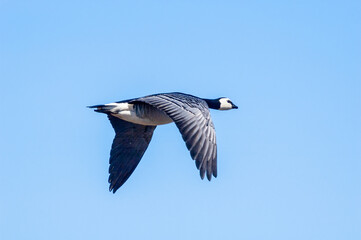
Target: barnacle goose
134, 121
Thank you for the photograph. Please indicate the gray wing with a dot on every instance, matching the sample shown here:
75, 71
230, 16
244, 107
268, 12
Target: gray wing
193, 119
130, 142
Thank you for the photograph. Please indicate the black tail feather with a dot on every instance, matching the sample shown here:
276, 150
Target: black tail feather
102, 108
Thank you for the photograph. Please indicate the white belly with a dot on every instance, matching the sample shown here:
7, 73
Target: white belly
149, 116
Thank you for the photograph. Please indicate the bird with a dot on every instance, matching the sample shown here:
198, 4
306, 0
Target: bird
134, 121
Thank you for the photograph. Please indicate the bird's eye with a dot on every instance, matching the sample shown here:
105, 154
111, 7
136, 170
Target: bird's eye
229, 101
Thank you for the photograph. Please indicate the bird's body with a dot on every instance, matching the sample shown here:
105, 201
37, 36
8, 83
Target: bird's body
134, 121
138, 113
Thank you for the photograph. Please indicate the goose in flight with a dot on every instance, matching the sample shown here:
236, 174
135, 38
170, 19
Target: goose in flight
134, 121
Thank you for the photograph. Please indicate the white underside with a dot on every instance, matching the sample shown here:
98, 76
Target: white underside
125, 111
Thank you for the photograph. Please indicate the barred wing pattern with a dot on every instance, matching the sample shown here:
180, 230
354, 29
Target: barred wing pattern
130, 142
192, 117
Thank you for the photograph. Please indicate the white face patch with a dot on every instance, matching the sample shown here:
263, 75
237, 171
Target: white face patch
225, 104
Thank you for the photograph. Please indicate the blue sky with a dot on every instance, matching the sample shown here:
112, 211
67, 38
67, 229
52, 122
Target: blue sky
289, 157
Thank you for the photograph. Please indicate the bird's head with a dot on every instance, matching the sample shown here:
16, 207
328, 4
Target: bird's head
226, 104
222, 103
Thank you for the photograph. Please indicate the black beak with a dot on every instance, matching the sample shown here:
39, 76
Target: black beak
234, 106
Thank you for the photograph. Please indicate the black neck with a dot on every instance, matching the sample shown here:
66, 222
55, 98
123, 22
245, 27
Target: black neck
213, 103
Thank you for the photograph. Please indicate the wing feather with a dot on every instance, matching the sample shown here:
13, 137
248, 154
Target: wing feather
193, 119
130, 142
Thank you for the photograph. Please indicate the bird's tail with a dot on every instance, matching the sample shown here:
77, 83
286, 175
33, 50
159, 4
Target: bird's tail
103, 108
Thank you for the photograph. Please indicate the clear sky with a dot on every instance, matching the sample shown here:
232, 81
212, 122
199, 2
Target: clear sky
289, 159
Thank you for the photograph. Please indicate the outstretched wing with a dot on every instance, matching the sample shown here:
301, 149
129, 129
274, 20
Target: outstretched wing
193, 119
130, 142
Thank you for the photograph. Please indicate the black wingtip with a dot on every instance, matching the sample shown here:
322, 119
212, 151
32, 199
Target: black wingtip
198, 164
112, 189
202, 173
209, 176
